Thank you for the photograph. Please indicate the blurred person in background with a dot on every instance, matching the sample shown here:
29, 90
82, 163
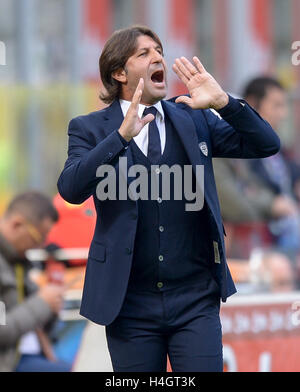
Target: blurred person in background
30, 312
156, 272
246, 200
244, 197
268, 97
271, 271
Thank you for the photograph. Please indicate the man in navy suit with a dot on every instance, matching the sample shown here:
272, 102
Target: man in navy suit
156, 272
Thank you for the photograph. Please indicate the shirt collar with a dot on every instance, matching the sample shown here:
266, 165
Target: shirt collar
125, 106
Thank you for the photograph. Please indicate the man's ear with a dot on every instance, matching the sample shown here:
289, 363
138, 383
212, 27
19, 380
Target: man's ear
120, 75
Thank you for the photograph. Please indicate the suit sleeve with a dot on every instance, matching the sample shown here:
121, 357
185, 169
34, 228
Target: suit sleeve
238, 131
78, 180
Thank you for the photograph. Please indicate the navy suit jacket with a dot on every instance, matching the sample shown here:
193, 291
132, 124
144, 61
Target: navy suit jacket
94, 141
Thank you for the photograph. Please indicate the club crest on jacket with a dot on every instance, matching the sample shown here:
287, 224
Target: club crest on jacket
203, 148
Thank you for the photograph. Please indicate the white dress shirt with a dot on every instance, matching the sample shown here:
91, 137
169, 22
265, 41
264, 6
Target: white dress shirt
142, 138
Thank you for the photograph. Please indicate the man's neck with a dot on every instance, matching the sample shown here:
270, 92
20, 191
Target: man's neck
126, 104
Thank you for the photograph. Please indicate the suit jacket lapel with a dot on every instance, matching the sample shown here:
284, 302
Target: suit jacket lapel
181, 120
186, 130
113, 117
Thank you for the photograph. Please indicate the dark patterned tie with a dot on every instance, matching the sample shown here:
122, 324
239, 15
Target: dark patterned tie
154, 148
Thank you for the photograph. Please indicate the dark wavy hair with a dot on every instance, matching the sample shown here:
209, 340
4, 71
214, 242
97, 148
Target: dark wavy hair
117, 50
258, 88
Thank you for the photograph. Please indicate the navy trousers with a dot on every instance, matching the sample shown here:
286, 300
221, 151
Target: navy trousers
183, 323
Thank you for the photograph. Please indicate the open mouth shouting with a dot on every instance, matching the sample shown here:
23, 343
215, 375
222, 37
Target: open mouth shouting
158, 78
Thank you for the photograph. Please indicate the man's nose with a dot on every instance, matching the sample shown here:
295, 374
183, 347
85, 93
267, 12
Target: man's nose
156, 57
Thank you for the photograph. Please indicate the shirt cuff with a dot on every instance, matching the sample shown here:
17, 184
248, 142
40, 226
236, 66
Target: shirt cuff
233, 106
125, 142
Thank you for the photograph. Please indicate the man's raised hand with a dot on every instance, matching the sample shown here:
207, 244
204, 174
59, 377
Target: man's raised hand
132, 123
204, 90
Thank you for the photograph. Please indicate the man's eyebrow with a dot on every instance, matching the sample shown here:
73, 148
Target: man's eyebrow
157, 47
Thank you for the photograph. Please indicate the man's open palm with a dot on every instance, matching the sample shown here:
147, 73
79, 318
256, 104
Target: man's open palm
204, 90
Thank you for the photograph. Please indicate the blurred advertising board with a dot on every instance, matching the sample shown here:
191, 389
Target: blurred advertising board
261, 333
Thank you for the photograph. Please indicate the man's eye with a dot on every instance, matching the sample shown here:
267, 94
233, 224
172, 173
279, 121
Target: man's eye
142, 54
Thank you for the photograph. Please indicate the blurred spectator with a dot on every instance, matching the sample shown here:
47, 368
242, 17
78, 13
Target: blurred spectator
243, 196
271, 271
246, 199
267, 96
24, 342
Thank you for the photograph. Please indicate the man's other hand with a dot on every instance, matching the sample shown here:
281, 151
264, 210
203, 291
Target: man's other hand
204, 91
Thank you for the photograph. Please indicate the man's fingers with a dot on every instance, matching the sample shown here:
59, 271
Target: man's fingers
186, 100
136, 99
189, 66
147, 119
199, 65
184, 68
184, 71
181, 76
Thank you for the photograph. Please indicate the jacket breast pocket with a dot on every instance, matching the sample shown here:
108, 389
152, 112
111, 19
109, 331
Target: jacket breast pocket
97, 252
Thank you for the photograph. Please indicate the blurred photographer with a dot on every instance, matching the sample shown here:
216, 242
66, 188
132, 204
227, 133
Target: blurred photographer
24, 343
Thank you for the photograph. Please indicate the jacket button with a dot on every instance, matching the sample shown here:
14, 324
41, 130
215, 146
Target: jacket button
128, 251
